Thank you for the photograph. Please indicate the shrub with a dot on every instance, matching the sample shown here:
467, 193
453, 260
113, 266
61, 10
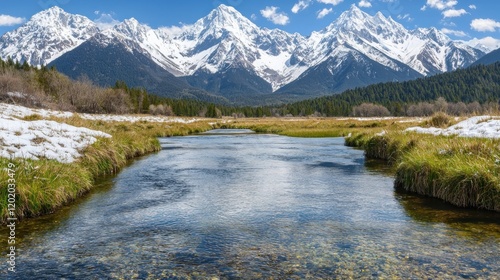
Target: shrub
370, 110
439, 119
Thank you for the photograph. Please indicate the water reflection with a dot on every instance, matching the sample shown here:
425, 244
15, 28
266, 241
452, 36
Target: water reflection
259, 206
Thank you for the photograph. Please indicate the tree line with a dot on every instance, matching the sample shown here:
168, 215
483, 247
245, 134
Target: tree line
466, 91
45, 87
478, 84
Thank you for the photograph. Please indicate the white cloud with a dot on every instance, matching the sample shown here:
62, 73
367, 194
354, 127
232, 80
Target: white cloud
484, 24
173, 31
332, 2
405, 17
105, 21
489, 42
472, 7
448, 23
364, 4
6, 20
457, 33
271, 13
253, 17
454, 13
324, 12
440, 4
301, 5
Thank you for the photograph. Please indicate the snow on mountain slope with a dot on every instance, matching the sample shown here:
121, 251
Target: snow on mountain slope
225, 40
427, 51
156, 43
222, 40
46, 36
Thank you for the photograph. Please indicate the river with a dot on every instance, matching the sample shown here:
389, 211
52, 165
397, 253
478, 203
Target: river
240, 205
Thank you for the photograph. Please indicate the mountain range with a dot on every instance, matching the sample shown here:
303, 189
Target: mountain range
226, 57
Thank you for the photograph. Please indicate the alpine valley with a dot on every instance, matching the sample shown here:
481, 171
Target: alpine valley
225, 57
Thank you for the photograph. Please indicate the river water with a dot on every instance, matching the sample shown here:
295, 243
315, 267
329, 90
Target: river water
256, 206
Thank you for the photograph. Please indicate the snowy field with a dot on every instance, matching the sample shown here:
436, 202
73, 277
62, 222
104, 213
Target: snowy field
480, 127
50, 139
43, 139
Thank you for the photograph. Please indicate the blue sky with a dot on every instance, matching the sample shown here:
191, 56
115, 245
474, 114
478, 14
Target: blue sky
460, 19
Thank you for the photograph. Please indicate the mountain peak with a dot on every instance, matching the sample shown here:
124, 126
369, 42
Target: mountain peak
380, 16
65, 31
132, 20
433, 34
355, 10
132, 29
354, 13
52, 13
222, 20
226, 9
225, 13
354, 18
130, 23
57, 18
55, 9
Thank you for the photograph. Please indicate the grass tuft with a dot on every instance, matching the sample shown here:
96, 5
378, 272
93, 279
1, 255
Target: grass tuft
34, 117
440, 119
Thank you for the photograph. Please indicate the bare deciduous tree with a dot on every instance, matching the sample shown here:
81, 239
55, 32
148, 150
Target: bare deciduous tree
370, 110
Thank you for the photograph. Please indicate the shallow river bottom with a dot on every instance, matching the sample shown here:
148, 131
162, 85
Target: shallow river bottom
257, 206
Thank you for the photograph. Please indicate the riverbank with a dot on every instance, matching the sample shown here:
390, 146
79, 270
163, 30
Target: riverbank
458, 163
45, 183
462, 171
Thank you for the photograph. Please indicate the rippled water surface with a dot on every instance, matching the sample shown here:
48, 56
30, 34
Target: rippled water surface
257, 206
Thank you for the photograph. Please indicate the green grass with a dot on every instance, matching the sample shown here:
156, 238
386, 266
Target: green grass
43, 186
462, 171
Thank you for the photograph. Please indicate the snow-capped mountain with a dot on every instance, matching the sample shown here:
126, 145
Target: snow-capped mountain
46, 36
225, 39
225, 52
427, 51
222, 40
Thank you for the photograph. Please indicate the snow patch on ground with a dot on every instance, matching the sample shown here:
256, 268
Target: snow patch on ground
480, 127
21, 112
128, 118
396, 119
44, 139
51, 139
